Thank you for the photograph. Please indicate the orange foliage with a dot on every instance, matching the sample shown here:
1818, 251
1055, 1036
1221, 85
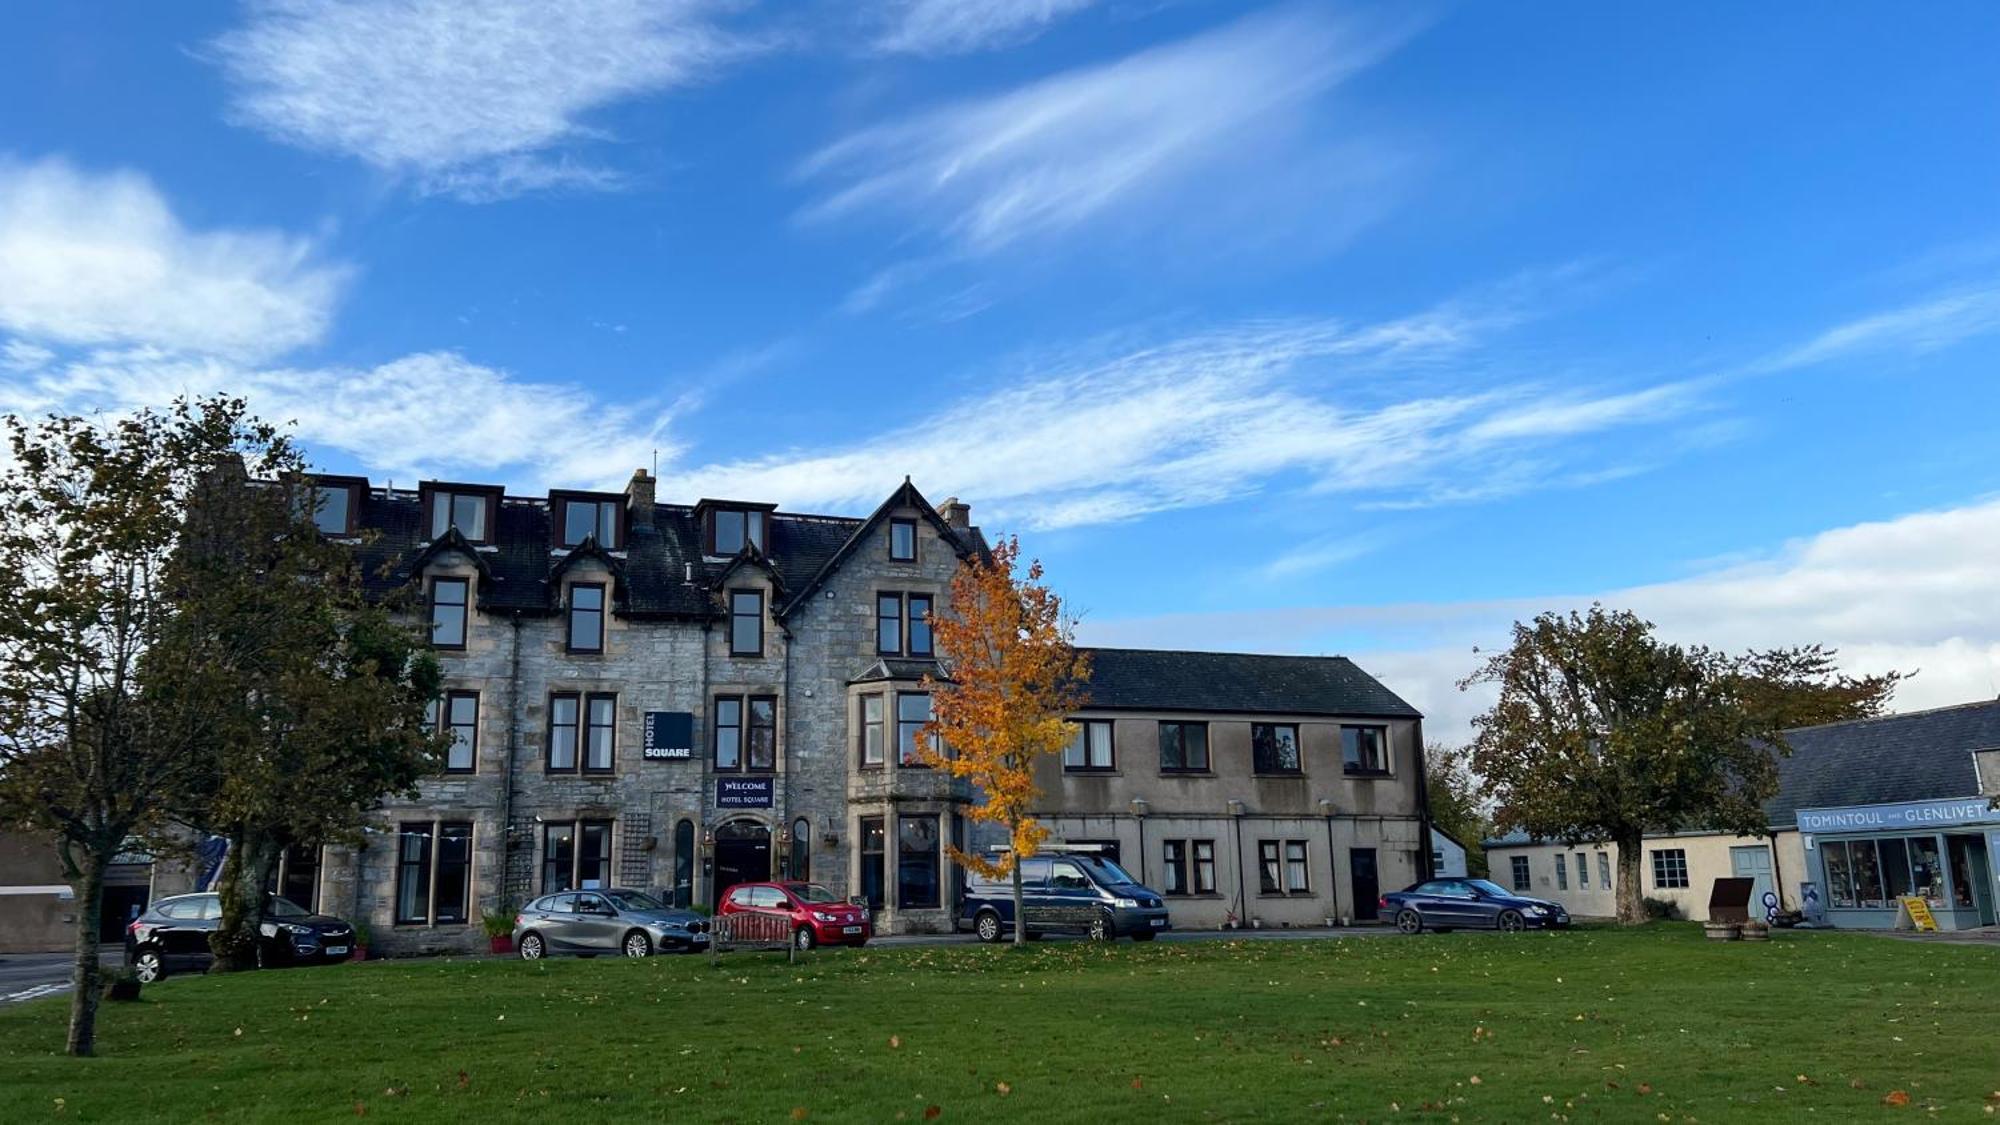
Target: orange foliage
1013, 680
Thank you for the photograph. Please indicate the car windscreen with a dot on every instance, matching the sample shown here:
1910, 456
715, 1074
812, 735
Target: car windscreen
1105, 870
1489, 888
812, 892
275, 907
633, 900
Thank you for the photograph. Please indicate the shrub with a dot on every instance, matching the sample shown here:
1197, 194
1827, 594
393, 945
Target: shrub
1660, 910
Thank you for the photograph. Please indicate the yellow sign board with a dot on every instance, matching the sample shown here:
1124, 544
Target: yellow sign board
1920, 913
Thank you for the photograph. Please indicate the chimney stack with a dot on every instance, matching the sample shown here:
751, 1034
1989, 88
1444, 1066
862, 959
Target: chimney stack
958, 515
639, 499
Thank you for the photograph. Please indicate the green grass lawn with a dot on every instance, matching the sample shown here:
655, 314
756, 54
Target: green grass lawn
1588, 1025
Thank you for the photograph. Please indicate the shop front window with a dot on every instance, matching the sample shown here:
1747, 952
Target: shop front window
1925, 871
1867, 868
1895, 868
1839, 880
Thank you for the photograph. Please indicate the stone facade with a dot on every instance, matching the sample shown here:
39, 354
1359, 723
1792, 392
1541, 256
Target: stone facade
836, 802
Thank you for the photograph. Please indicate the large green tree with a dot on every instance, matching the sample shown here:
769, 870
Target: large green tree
1604, 732
92, 511
1458, 806
317, 693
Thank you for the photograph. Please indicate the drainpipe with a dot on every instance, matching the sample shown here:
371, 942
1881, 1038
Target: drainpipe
1424, 868
1332, 869
513, 746
1236, 826
1139, 810
783, 763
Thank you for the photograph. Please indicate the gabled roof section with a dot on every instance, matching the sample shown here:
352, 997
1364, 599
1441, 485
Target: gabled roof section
905, 496
588, 551
1142, 679
751, 558
888, 668
451, 540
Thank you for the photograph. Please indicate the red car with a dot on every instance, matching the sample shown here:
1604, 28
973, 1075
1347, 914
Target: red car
816, 916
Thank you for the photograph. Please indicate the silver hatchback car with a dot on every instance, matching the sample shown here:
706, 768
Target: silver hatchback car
588, 923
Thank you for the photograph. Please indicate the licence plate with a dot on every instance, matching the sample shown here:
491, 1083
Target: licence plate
335, 950
850, 929
1159, 922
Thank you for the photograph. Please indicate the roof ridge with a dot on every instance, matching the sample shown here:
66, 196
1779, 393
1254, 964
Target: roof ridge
1894, 715
1219, 652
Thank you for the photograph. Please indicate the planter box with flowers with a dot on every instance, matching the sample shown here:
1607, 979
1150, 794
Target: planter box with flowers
499, 926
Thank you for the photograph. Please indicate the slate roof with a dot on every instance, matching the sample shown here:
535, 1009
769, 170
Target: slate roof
663, 571
1915, 756
1139, 679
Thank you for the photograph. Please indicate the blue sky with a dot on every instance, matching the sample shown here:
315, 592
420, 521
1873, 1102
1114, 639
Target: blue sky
1300, 327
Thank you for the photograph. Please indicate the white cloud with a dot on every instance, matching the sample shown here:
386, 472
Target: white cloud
1917, 593
425, 415
1938, 322
943, 27
94, 259
1198, 420
1098, 141
469, 98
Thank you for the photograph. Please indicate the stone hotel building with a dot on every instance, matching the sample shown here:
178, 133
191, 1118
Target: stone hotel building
679, 698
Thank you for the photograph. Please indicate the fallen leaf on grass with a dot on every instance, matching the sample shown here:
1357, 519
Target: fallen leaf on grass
1003, 1088
895, 1041
1138, 1083
798, 1113
1645, 1087
1896, 1098
931, 1112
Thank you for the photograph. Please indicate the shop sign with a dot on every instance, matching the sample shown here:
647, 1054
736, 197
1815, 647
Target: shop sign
1886, 818
1920, 913
669, 736
743, 792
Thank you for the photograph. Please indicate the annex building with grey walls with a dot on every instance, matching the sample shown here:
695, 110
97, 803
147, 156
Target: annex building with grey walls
681, 697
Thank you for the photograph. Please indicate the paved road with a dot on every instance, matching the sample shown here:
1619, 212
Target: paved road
24, 976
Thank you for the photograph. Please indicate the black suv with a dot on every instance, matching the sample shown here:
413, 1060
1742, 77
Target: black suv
172, 936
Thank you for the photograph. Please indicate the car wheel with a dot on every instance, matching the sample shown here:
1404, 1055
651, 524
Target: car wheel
1101, 929
148, 967
638, 945
987, 926
803, 938
1409, 921
532, 947
1510, 921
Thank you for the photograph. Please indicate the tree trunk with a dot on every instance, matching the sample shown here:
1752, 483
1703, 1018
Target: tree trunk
89, 887
1631, 901
1020, 916
241, 888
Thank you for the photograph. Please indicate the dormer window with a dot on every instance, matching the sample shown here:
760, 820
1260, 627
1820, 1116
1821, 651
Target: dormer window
336, 503
734, 529
467, 508
585, 517
728, 526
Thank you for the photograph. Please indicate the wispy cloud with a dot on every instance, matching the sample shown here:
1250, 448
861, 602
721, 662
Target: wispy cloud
429, 414
1203, 418
1916, 593
1098, 141
480, 100
947, 27
1937, 322
93, 259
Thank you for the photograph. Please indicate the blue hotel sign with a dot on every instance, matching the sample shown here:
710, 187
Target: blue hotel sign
743, 792
668, 736
1887, 818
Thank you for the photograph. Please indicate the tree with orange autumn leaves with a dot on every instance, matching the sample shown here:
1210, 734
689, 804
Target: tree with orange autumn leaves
1012, 679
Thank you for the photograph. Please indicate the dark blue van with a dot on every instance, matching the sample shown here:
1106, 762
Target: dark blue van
1079, 894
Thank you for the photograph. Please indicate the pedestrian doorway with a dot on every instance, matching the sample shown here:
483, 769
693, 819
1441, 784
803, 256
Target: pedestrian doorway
1361, 876
742, 855
1972, 876
1753, 863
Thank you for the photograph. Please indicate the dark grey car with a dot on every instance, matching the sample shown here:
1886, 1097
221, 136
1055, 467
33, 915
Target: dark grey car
614, 921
